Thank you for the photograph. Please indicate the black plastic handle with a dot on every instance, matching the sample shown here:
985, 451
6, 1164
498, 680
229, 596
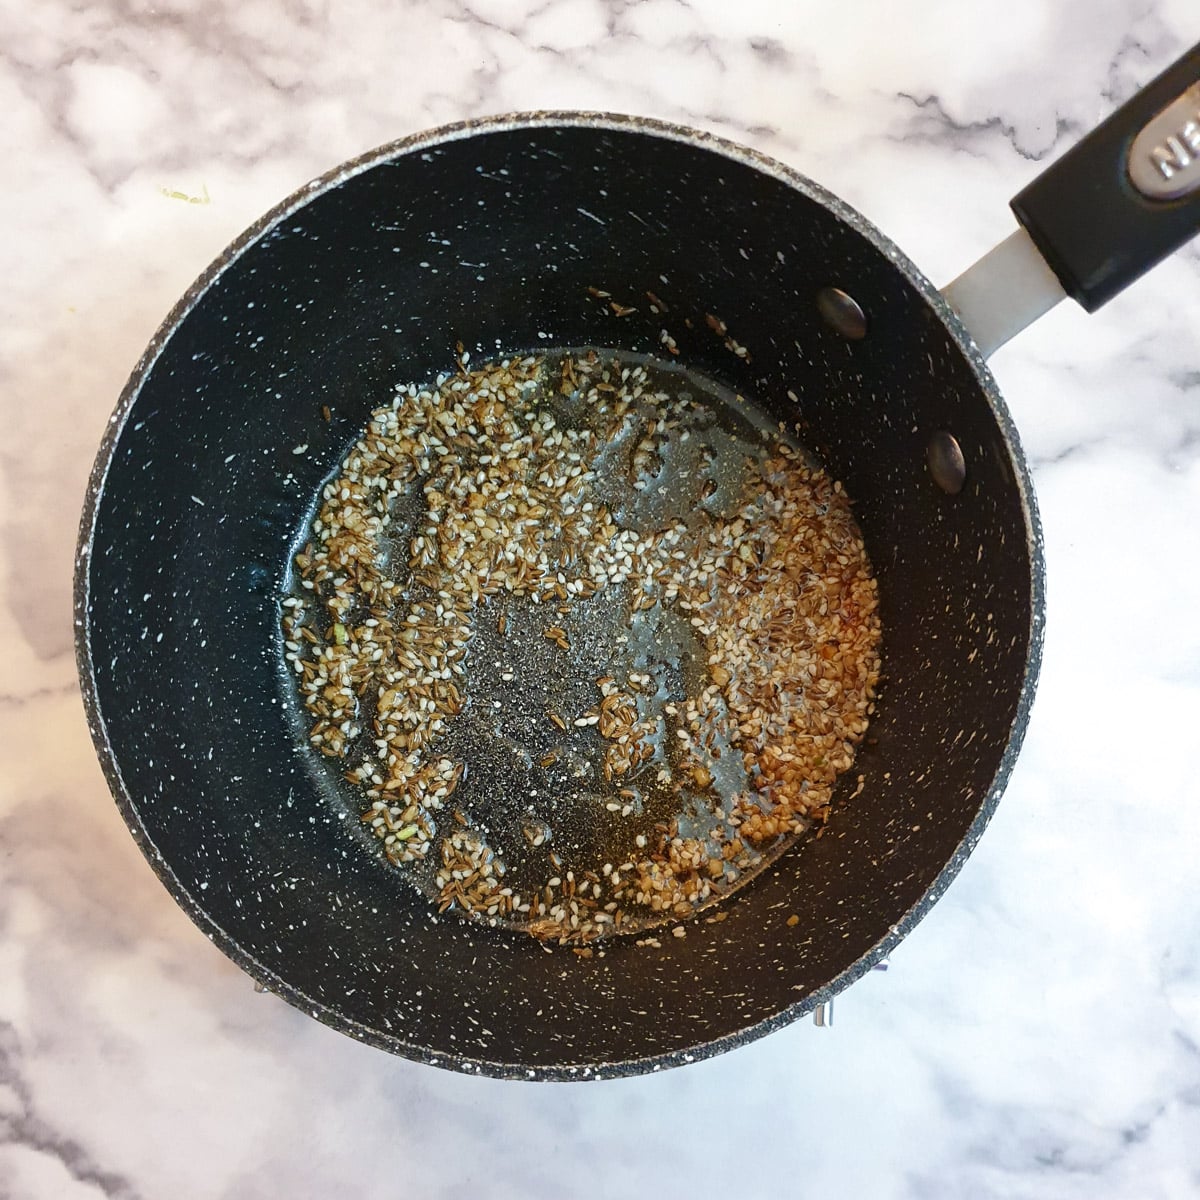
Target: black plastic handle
1096, 227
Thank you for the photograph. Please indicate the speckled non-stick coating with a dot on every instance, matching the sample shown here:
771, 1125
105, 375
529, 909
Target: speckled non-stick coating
490, 233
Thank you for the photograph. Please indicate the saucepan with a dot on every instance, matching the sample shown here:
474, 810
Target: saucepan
494, 236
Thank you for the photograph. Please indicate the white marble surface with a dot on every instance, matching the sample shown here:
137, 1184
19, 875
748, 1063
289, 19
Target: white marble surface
1037, 1036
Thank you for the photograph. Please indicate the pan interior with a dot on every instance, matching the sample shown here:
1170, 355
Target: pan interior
493, 240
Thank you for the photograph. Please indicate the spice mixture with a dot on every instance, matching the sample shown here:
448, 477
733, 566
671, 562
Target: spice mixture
592, 645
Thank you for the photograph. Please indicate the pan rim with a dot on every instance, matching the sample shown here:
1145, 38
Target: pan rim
414, 144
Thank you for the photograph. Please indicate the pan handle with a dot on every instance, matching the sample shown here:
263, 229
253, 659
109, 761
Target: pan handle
1119, 201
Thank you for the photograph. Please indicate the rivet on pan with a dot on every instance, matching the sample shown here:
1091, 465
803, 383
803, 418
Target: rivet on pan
946, 462
841, 312
823, 1014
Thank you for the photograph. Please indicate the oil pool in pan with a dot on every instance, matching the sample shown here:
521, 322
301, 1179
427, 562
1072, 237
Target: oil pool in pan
590, 640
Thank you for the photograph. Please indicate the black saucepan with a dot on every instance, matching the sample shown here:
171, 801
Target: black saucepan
490, 233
